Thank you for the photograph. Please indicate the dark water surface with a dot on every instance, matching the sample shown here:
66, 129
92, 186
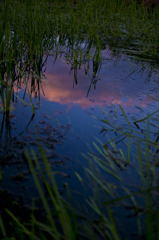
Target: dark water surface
67, 105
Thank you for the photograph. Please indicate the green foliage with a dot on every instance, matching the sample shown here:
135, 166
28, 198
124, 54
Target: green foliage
34, 27
78, 29
108, 190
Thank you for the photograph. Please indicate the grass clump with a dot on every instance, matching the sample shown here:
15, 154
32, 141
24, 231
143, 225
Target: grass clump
109, 193
32, 28
61, 219
79, 30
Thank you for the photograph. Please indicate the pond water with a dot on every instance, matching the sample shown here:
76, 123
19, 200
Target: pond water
68, 102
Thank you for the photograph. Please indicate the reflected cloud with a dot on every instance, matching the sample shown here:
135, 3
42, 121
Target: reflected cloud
113, 86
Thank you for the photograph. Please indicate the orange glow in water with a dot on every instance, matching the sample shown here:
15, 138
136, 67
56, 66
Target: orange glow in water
110, 88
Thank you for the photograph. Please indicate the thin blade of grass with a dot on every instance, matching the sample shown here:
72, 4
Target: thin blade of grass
125, 116
22, 227
43, 198
148, 116
3, 230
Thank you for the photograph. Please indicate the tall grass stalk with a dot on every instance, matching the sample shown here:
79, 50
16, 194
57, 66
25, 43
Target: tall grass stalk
107, 193
63, 215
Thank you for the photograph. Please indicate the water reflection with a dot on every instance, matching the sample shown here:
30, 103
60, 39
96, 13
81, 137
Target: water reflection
62, 79
56, 95
107, 85
15, 76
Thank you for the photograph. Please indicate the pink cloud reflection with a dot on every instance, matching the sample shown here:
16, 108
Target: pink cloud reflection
114, 87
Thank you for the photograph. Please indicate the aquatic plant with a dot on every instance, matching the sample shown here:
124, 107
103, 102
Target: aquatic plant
109, 191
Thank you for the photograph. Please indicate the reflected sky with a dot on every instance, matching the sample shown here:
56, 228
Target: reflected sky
115, 84
65, 109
